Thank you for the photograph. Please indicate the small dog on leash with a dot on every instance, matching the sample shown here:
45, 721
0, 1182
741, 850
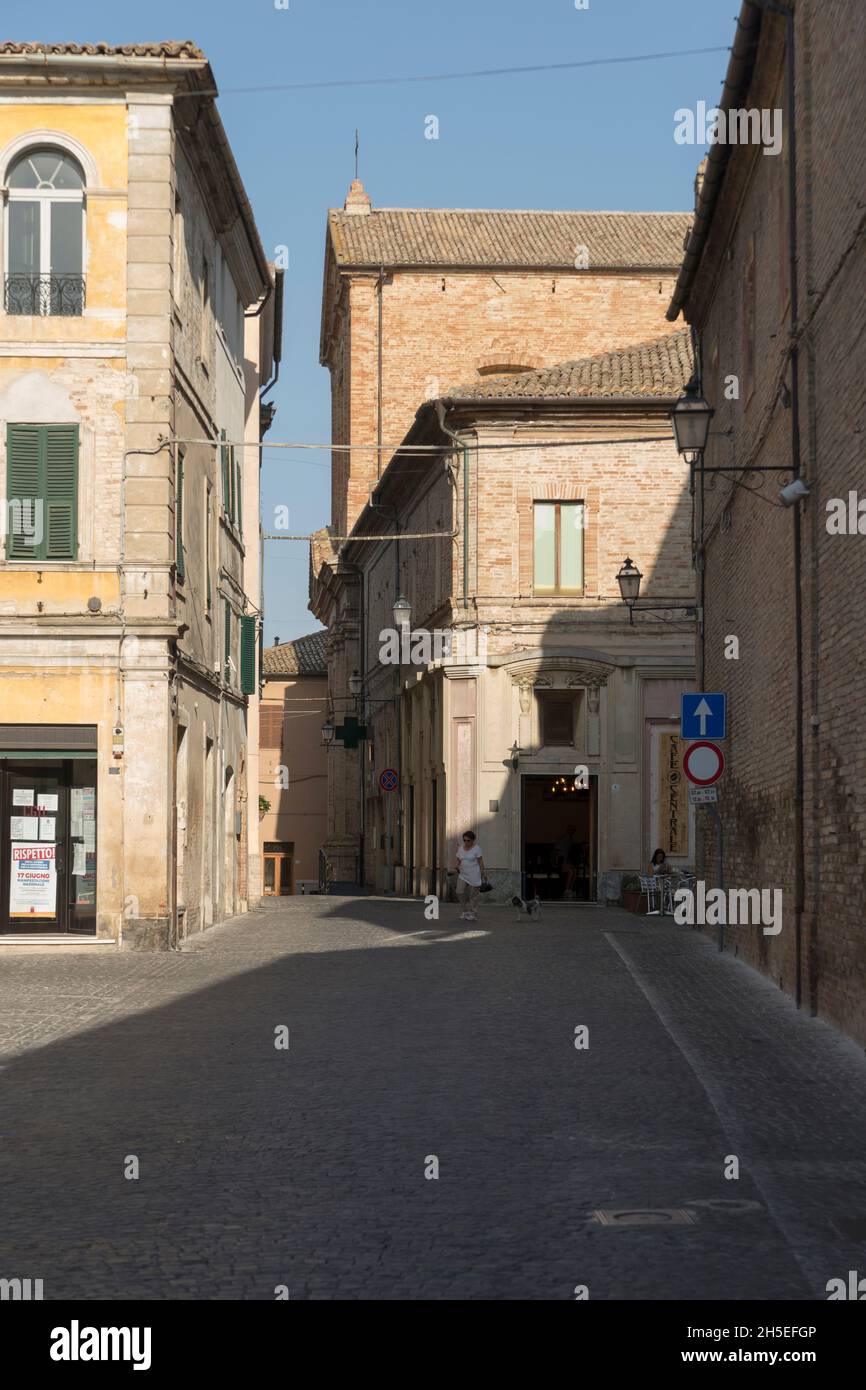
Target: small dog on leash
532, 908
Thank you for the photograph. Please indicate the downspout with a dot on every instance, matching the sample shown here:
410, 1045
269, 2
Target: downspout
799, 827
362, 671
379, 284
799, 779
464, 450
398, 699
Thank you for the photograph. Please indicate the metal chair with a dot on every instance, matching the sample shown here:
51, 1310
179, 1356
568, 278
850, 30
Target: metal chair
651, 886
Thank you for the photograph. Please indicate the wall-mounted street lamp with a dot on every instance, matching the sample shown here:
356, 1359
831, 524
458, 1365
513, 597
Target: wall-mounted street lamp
691, 418
402, 612
515, 755
328, 732
629, 578
356, 683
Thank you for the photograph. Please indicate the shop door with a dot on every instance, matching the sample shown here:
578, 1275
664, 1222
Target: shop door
34, 877
277, 870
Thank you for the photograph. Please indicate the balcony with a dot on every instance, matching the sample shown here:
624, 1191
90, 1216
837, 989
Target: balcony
44, 294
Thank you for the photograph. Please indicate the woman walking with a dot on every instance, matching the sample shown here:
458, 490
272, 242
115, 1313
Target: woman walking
470, 875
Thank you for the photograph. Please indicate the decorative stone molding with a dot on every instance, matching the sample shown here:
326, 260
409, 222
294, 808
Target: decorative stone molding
571, 672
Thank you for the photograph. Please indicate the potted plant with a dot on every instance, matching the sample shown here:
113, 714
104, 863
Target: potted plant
264, 807
630, 892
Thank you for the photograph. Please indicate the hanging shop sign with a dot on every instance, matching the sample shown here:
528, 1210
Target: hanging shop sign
674, 817
33, 885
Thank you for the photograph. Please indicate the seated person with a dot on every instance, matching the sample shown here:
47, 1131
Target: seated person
659, 864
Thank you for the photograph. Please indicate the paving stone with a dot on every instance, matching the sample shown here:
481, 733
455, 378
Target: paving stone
305, 1167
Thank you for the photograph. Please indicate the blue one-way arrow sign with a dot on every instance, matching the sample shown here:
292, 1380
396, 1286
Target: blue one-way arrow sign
703, 714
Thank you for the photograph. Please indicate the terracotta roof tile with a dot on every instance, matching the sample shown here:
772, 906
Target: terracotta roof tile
171, 48
305, 656
657, 369
539, 240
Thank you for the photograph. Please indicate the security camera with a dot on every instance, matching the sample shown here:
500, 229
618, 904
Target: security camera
792, 492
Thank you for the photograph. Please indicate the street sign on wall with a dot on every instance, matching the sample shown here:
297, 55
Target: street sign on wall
703, 714
388, 779
701, 796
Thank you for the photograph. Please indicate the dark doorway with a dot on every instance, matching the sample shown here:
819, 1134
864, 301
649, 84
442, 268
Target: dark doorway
559, 834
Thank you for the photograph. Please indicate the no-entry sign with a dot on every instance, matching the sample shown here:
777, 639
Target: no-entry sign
703, 763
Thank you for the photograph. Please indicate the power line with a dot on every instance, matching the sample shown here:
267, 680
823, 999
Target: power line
461, 76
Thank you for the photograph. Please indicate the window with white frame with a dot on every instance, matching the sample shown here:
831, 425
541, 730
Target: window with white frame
557, 560
45, 234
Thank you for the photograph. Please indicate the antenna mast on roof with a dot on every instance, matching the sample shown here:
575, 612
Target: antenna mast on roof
356, 153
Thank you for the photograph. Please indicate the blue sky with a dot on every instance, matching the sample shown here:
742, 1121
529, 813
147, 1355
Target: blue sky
587, 138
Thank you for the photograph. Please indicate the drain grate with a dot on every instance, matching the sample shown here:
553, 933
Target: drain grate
644, 1216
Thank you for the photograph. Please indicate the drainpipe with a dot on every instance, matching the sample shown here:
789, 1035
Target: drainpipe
799, 827
799, 843
379, 284
464, 450
775, 7
362, 670
398, 699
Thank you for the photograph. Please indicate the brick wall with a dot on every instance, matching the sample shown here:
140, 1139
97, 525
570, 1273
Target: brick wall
438, 329
750, 574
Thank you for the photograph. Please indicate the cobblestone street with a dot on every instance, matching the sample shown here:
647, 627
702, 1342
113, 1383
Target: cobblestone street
409, 1039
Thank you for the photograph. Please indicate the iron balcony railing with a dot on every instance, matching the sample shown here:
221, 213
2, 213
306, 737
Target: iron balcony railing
44, 294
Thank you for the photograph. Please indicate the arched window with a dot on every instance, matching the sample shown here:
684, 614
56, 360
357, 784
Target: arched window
45, 234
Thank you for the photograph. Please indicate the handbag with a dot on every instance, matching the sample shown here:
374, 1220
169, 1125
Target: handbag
486, 886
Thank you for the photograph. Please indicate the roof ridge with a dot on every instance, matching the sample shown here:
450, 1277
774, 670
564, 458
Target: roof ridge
541, 212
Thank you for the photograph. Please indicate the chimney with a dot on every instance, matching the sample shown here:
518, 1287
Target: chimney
699, 179
358, 200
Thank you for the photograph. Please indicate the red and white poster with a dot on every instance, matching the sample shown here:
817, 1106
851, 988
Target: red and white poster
33, 885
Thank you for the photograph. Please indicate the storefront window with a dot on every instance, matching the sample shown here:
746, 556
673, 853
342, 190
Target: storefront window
48, 835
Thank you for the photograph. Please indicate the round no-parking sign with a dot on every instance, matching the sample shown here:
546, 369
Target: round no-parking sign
703, 763
388, 780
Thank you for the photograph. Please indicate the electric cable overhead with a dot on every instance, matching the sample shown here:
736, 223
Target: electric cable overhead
460, 76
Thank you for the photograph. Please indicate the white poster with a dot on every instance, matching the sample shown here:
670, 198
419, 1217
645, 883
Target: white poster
75, 804
46, 828
23, 828
79, 860
33, 885
22, 796
47, 801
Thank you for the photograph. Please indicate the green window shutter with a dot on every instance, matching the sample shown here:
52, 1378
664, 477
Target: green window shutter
43, 467
239, 493
224, 464
228, 638
23, 487
248, 655
61, 491
180, 558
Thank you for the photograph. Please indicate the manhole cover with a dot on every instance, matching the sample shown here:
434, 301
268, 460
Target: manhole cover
645, 1216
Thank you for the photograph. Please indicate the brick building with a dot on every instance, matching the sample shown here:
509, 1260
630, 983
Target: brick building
293, 768
128, 627
773, 283
535, 317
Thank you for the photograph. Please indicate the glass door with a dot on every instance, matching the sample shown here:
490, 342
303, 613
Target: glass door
35, 862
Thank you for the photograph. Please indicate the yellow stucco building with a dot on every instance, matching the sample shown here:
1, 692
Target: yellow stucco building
140, 318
